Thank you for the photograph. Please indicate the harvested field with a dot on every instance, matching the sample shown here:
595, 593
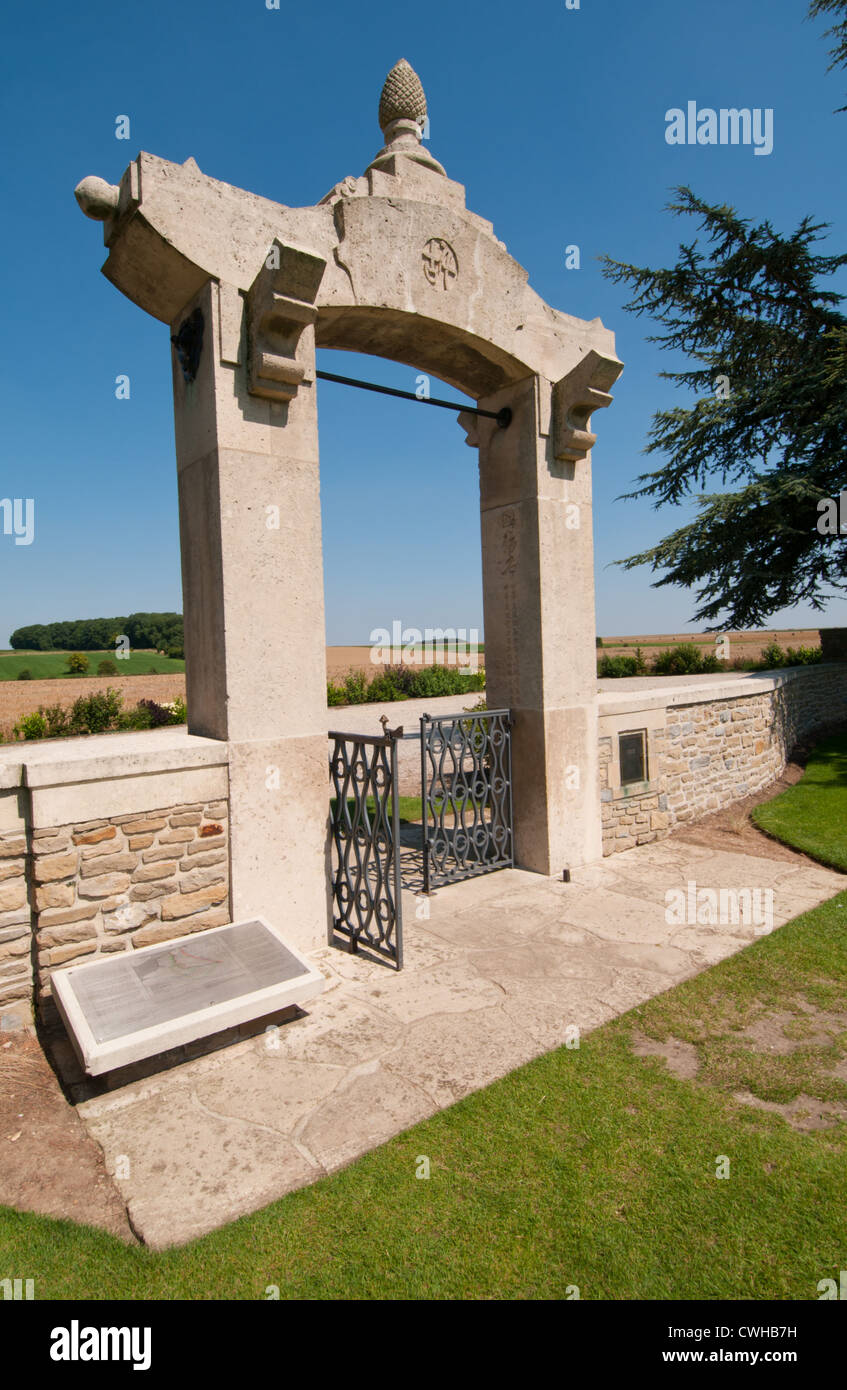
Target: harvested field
24, 697
341, 660
746, 646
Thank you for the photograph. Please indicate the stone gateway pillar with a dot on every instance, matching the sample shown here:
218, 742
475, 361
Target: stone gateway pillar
540, 647
390, 263
252, 580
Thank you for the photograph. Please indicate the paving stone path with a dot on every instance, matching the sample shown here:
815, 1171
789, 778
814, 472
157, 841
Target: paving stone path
503, 967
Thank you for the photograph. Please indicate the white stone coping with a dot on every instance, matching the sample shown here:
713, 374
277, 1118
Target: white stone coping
98, 757
657, 692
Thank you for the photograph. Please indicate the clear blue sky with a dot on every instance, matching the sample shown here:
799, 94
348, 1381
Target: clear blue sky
553, 119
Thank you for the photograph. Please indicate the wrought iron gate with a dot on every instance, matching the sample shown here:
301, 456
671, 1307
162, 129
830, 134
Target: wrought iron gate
466, 791
366, 893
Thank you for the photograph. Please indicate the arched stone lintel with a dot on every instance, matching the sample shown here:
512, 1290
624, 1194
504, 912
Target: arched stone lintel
472, 320
470, 364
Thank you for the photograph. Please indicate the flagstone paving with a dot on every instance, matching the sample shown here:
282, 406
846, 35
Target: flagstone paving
502, 969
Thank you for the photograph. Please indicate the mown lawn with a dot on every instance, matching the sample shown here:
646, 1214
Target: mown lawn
409, 808
54, 665
590, 1167
812, 816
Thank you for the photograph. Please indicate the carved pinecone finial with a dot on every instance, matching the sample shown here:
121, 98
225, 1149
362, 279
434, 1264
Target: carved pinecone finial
402, 97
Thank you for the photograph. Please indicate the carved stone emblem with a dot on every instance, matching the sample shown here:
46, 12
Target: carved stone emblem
440, 265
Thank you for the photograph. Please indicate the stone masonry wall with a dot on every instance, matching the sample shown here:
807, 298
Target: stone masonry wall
15, 937
635, 819
114, 885
709, 754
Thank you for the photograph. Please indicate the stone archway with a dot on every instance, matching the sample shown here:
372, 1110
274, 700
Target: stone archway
391, 263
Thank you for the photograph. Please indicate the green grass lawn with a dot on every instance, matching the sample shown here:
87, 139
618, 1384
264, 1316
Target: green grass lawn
812, 816
591, 1166
50, 665
409, 808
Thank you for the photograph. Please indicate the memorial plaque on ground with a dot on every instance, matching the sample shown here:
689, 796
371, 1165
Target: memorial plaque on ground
135, 1005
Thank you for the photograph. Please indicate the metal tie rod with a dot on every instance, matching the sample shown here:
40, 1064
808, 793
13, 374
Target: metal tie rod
503, 417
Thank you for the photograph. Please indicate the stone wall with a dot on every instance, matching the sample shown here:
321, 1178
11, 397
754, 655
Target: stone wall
107, 844
15, 933
708, 745
113, 885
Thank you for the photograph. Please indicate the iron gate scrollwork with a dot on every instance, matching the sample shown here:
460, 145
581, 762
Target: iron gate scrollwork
466, 788
366, 890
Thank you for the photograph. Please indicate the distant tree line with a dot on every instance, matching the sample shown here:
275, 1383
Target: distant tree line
161, 631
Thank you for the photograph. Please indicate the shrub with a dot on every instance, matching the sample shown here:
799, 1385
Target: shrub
772, 657
94, 713
133, 719
803, 656
25, 674
99, 711
402, 676
77, 663
31, 726
444, 680
176, 653
598, 641
433, 681
685, 659
613, 667
159, 716
355, 687
177, 709
107, 668
402, 683
58, 720
382, 688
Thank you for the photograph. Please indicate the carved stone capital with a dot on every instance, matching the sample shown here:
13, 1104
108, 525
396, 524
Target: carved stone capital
575, 398
280, 304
